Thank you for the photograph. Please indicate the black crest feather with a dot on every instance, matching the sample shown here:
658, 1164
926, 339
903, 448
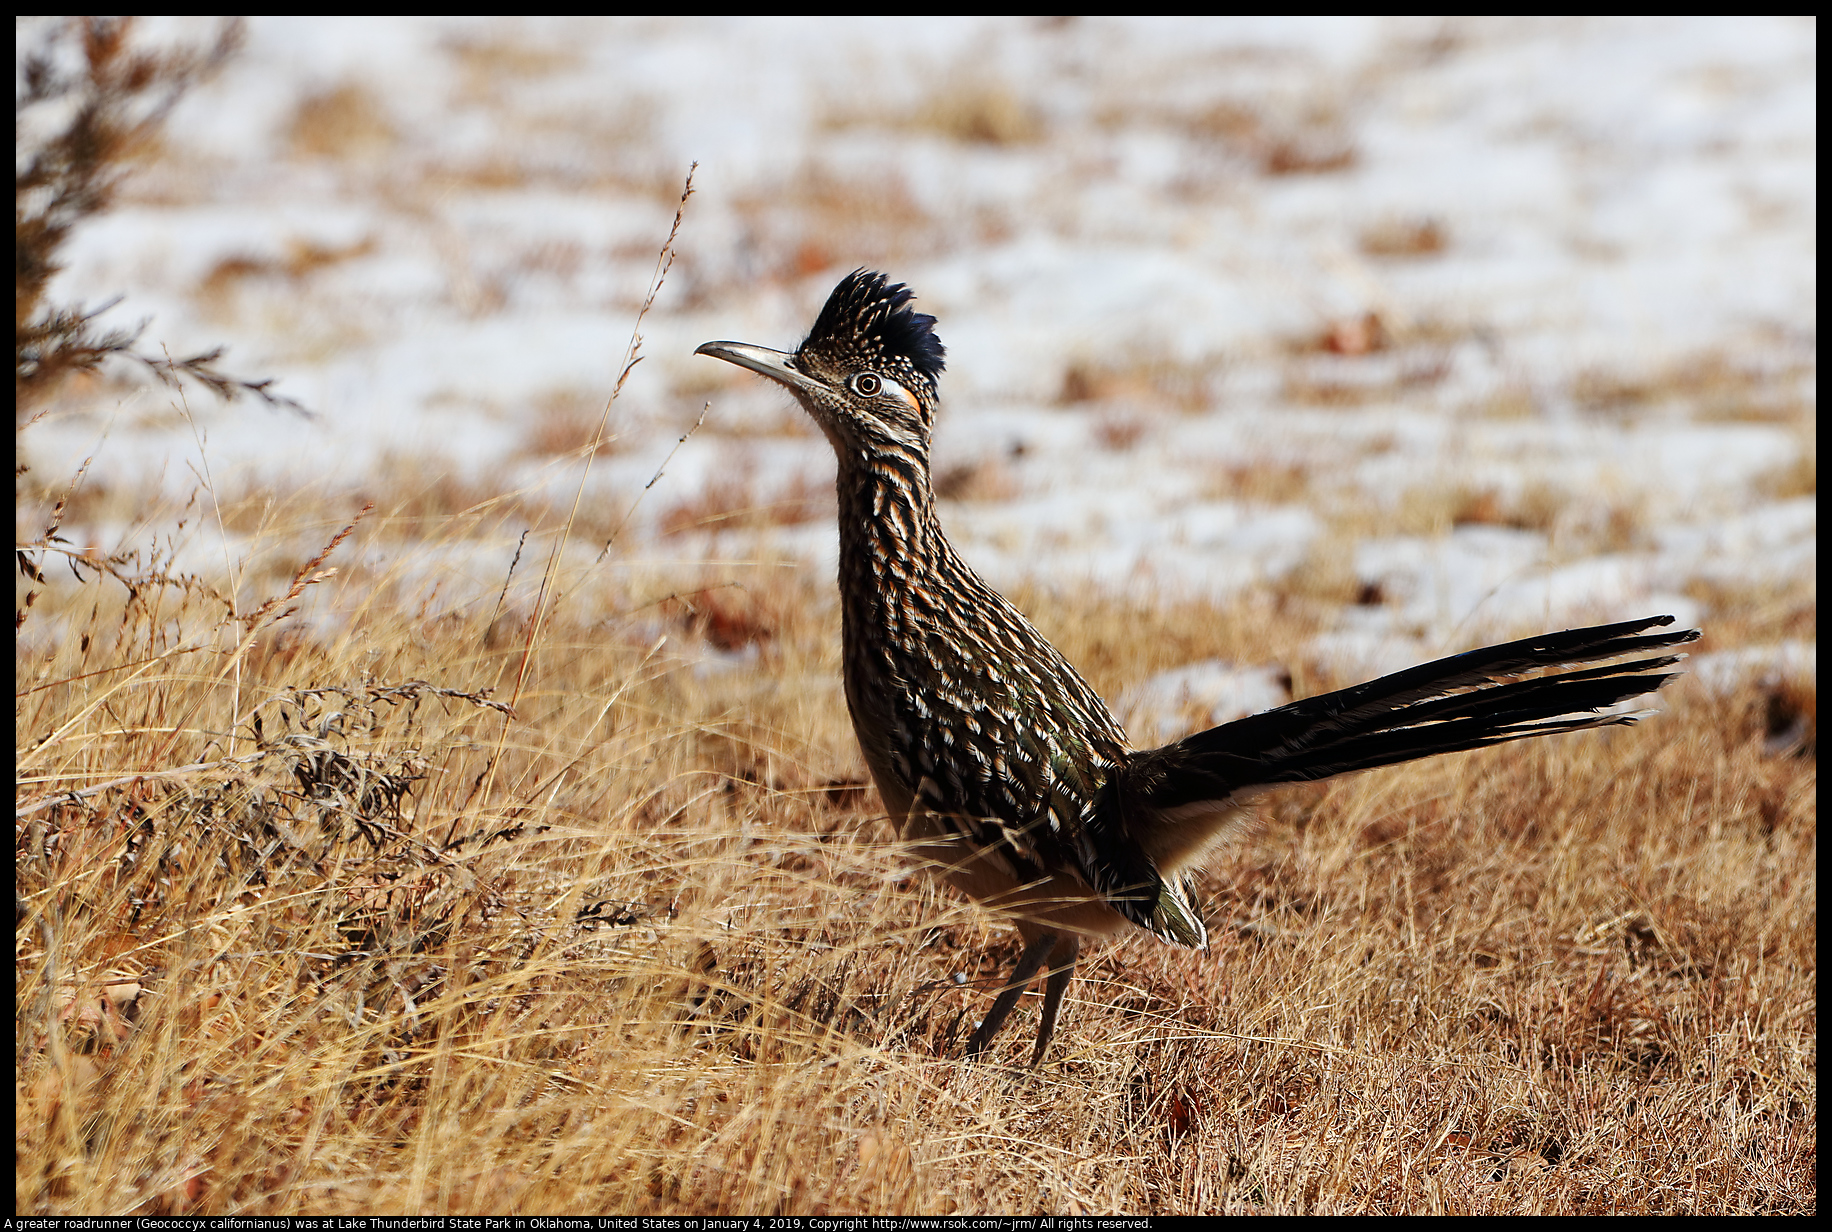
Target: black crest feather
869, 315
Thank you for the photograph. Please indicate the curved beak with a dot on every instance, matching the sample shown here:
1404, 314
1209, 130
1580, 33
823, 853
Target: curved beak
777, 365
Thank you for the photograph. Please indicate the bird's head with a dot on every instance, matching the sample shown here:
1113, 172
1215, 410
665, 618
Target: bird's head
866, 372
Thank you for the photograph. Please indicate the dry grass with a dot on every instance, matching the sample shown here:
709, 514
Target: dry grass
345, 121
1310, 136
310, 923
969, 102
976, 108
1154, 382
735, 502
819, 218
1405, 238
567, 423
1709, 385
346, 888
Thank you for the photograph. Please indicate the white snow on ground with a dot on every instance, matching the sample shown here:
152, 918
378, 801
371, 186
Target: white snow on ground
1722, 670
1563, 260
1196, 697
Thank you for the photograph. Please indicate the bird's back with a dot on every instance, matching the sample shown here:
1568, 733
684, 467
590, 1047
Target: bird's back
972, 722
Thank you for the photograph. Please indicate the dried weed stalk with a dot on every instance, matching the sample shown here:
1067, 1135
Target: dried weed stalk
88, 103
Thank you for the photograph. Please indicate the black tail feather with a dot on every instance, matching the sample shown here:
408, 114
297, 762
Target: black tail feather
1467, 701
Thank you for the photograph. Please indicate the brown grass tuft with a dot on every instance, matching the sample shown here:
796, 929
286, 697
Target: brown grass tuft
983, 479
567, 422
967, 103
982, 113
1309, 137
736, 503
1152, 382
345, 121
823, 219
1264, 481
1797, 478
1709, 385
1405, 237
1119, 431
303, 258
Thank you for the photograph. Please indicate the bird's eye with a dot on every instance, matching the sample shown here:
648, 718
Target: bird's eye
867, 384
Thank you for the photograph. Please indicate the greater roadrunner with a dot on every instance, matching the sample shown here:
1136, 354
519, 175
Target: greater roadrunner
1009, 770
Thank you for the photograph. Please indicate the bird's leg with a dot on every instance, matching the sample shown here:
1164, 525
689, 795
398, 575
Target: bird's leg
1068, 948
1036, 952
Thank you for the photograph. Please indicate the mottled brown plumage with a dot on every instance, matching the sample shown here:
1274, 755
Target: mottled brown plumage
990, 749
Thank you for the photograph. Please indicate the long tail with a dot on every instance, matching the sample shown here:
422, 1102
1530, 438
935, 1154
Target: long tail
1177, 799
1467, 701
